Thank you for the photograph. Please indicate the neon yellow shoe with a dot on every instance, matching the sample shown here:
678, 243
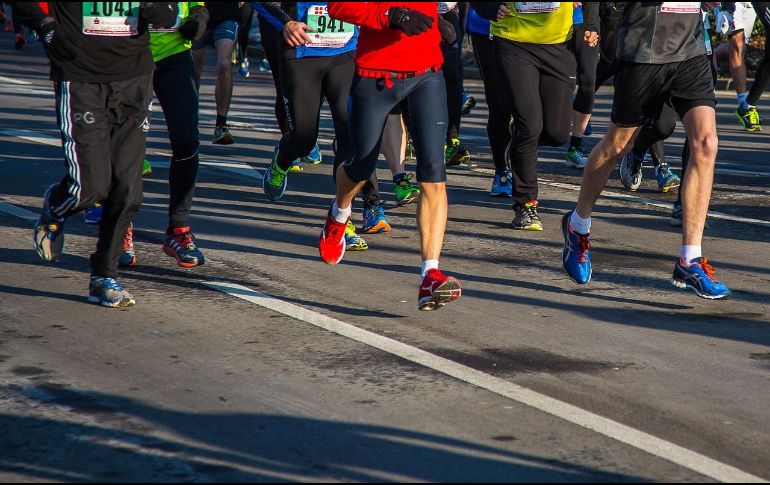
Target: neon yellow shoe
146, 168
354, 242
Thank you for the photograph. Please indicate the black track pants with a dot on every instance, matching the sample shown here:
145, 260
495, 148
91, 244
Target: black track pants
499, 119
175, 87
539, 81
103, 128
270, 43
453, 77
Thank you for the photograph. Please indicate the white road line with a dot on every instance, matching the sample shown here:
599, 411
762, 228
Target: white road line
655, 446
17, 211
33, 136
639, 200
10, 80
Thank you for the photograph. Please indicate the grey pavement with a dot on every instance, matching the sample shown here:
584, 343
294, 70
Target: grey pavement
193, 384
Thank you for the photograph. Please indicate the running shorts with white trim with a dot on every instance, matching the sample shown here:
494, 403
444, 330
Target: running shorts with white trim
225, 30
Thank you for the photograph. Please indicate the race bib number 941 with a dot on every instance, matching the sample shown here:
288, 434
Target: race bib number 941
114, 19
327, 32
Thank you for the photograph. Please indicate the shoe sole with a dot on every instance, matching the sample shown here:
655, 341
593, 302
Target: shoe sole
456, 162
408, 200
574, 165
622, 171
666, 188
134, 261
356, 248
529, 228
682, 285
120, 304
380, 227
446, 293
224, 140
181, 263
499, 195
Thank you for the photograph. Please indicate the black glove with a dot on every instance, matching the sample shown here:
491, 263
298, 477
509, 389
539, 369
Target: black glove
160, 14
411, 22
196, 23
55, 46
448, 34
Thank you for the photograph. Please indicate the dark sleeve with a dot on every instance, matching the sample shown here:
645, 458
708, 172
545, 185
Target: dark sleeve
29, 13
729, 7
486, 10
161, 14
274, 9
591, 21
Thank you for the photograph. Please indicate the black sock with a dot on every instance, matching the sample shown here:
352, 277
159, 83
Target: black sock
221, 120
575, 142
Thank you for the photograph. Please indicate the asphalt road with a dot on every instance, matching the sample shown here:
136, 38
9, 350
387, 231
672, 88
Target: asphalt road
527, 378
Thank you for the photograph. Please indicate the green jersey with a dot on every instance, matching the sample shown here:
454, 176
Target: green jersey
167, 42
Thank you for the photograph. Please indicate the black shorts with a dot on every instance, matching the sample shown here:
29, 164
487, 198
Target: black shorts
641, 90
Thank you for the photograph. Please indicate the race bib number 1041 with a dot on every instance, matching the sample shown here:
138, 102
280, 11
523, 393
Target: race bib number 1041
114, 19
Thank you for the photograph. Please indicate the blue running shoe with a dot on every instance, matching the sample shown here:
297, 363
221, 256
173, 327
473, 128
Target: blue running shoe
589, 129
48, 234
576, 258
375, 220
274, 180
94, 214
501, 186
314, 157
108, 292
666, 178
699, 277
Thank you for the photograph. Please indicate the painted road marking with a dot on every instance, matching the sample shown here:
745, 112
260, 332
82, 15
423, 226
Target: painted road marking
33, 136
17, 211
655, 446
14, 81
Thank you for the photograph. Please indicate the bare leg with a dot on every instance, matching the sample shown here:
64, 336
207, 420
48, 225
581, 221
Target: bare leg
432, 213
600, 164
346, 188
737, 62
394, 143
224, 90
579, 123
700, 125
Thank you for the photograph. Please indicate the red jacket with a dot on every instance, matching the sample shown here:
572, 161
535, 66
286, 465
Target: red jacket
381, 48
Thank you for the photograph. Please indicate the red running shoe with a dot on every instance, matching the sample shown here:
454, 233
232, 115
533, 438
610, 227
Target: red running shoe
331, 244
437, 290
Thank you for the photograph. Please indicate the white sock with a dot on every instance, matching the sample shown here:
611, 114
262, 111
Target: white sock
689, 253
428, 265
341, 215
580, 225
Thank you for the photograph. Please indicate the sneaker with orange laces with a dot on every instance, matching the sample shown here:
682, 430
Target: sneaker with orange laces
576, 256
437, 290
331, 243
128, 256
699, 276
180, 244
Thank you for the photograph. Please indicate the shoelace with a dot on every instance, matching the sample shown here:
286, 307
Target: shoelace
584, 244
753, 116
110, 284
276, 177
377, 212
404, 181
185, 240
128, 238
709, 270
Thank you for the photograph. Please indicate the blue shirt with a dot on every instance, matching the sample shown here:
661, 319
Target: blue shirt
577, 15
325, 26
476, 24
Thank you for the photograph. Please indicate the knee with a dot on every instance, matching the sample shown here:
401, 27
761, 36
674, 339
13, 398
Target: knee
224, 66
705, 147
554, 136
184, 147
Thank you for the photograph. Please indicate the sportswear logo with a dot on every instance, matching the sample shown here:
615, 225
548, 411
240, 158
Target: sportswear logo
86, 117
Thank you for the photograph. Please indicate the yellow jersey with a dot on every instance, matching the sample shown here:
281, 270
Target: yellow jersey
536, 22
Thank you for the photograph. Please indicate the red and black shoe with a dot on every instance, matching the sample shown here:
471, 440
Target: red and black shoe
180, 245
128, 255
331, 243
437, 290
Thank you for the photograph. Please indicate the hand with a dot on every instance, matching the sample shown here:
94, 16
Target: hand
724, 23
448, 34
591, 38
502, 11
294, 33
411, 22
195, 25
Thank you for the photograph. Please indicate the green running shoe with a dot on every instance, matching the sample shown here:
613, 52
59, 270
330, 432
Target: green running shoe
455, 153
146, 168
405, 191
274, 181
749, 118
354, 242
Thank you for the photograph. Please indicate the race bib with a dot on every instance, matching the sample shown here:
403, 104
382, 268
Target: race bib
114, 19
327, 32
444, 7
680, 7
536, 7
